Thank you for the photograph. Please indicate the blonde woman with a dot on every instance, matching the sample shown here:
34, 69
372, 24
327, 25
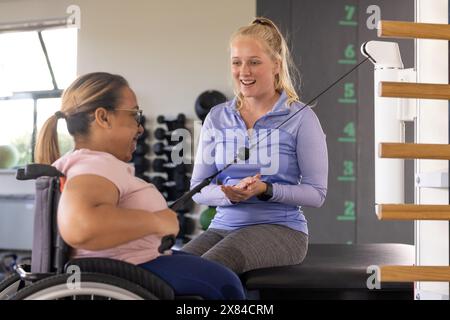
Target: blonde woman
259, 222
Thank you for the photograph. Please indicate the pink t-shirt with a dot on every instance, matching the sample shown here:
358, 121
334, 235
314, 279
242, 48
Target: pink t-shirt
134, 193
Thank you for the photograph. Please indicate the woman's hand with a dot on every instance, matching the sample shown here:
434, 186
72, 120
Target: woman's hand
245, 189
168, 222
244, 183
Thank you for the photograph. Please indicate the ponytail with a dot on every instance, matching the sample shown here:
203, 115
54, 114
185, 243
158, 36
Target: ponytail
47, 148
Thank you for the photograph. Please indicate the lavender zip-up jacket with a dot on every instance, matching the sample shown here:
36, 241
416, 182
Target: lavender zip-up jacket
293, 158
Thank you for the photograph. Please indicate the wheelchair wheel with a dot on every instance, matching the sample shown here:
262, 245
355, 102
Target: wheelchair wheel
9, 286
92, 286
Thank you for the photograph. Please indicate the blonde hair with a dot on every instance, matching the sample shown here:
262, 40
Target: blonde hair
78, 102
266, 31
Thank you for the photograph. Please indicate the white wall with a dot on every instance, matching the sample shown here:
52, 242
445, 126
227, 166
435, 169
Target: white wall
432, 237
169, 50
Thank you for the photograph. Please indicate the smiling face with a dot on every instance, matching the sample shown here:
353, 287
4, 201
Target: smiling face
124, 128
252, 68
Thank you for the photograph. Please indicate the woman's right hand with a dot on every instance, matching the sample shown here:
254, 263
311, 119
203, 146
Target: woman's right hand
169, 222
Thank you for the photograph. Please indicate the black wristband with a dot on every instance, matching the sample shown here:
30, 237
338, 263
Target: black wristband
265, 196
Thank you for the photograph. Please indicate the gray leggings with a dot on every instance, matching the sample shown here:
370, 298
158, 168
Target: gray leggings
252, 247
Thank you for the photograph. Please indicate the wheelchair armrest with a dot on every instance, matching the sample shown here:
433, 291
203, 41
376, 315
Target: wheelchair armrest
35, 170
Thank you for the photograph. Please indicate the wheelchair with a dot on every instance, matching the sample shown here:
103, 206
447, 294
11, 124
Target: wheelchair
50, 274
53, 275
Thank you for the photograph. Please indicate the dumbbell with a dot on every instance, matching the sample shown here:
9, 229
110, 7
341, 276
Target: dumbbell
143, 121
187, 207
162, 134
173, 124
187, 225
143, 136
162, 165
174, 172
144, 177
141, 164
169, 188
159, 182
181, 183
141, 149
162, 149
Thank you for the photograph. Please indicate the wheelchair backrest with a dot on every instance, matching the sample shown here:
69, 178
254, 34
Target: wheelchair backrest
49, 251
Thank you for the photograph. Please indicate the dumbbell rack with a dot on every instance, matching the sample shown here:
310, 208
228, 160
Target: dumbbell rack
171, 179
140, 160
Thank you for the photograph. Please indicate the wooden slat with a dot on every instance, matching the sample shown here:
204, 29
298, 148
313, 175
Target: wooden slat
414, 273
414, 90
402, 29
414, 151
413, 212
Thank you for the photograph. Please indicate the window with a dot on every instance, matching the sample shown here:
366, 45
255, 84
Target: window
16, 123
34, 69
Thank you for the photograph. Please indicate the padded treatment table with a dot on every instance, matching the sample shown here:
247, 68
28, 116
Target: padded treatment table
333, 271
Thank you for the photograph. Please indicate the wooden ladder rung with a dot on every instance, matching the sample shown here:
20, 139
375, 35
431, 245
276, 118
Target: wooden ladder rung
414, 273
403, 29
414, 90
413, 212
414, 151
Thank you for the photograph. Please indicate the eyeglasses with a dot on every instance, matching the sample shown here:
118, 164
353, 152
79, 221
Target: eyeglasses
137, 116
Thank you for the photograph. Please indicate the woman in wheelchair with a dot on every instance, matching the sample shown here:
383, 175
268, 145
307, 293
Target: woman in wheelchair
104, 210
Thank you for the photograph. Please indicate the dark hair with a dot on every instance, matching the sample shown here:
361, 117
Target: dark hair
79, 101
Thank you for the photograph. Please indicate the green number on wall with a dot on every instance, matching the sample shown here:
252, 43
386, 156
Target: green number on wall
349, 208
349, 19
349, 212
349, 54
349, 90
350, 12
349, 94
349, 132
350, 51
348, 168
349, 129
348, 172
